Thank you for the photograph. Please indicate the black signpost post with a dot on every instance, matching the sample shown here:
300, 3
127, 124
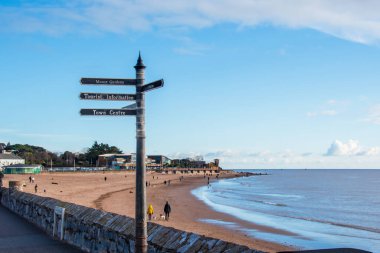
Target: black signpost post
141, 244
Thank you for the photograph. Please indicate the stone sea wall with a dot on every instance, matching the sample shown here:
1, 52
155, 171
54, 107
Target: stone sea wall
94, 230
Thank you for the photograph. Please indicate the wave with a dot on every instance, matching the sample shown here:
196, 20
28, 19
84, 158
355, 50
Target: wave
201, 193
280, 195
357, 227
269, 203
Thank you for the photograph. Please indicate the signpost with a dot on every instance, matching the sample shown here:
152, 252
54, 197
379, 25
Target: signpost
138, 110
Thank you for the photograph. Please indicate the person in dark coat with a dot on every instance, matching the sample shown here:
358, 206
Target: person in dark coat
1, 179
167, 210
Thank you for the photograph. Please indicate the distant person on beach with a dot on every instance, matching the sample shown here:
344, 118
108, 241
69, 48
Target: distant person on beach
208, 180
33, 180
1, 179
167, 210
105, 178
35, 188
150, 211
30, 179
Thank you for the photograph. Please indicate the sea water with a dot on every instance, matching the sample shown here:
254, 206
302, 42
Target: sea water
322, 208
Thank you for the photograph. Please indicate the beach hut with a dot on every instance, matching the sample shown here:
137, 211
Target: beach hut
22, 169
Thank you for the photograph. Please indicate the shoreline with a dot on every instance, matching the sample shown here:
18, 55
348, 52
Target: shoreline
116, 194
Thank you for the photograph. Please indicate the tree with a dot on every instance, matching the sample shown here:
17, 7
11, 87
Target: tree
68, 157
100, 149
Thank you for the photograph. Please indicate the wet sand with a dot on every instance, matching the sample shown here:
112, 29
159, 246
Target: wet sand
117, 194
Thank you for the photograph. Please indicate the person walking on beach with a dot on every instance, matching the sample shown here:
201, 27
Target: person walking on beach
33, 180
30, 179
150, 211
167, 210
105, 179
35, 188
1, 179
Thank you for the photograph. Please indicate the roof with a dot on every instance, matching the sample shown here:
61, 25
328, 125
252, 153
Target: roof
23, 166
10, 157
140, 64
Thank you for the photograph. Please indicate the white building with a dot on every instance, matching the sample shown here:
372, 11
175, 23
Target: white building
10, 159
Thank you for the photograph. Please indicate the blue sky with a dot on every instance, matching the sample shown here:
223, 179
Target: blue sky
258, 84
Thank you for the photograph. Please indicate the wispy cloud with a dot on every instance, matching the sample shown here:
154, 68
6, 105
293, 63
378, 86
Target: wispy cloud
374, 115
331, 107
340, 154
37, 135
322, 113
354, 20
6, 130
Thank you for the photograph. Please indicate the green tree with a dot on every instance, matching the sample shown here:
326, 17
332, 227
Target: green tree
100, 149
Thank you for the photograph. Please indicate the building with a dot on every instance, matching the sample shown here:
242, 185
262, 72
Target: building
116, 161
9, 159
22, 169
2, 147
158, 161
188, 163
128, 161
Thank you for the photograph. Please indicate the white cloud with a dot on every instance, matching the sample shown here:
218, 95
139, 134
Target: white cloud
351, 148
372, 151
354, 20
374, 115
339, 155
322, 113
340, 148
332, 102
6, 130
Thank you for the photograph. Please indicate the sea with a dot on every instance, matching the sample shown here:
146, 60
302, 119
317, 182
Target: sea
321, 208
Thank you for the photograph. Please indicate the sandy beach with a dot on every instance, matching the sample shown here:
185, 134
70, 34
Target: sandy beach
116, 194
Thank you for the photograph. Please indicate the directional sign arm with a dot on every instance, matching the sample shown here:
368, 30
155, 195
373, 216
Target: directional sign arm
107, 81
153, 85
107, 96
107, 112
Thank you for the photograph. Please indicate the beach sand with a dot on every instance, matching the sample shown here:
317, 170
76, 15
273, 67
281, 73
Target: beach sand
117, 194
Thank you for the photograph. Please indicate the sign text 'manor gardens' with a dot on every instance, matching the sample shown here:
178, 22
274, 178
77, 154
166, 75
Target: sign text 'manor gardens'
107, 96
107, 112
107, 81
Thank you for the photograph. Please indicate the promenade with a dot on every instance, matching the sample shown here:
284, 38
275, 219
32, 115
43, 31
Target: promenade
19, 236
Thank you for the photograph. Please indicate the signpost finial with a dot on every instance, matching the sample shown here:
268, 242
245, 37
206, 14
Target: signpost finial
139, 64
